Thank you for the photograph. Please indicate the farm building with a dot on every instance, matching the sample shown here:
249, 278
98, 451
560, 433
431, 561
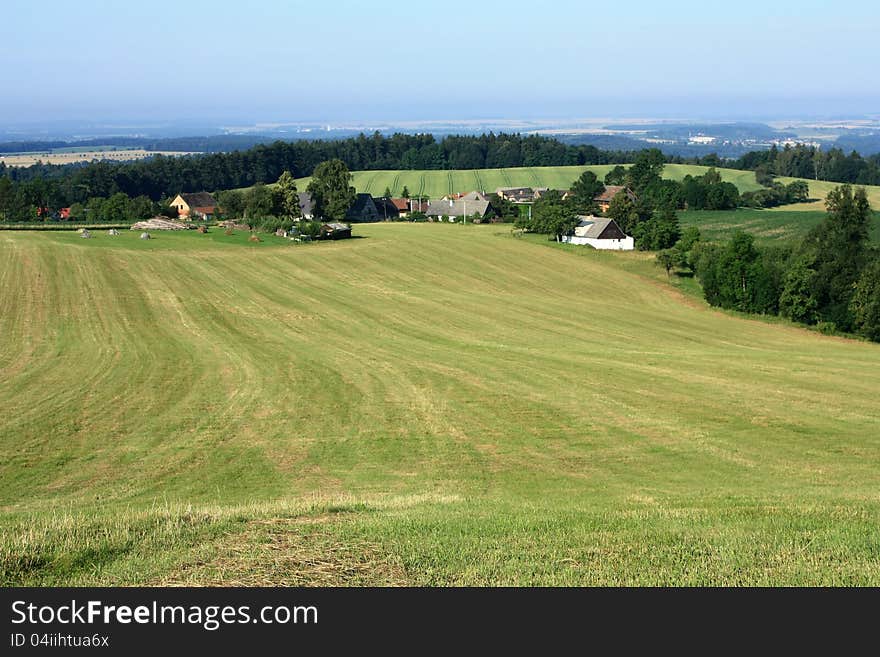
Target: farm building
600, 233
200, 205
387, 208
335, 231
363, 209
604, 199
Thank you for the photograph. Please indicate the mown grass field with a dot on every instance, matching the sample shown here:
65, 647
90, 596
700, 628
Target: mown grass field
436, 184
429, 404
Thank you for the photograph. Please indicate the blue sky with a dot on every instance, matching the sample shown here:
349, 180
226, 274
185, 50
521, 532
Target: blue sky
270, 60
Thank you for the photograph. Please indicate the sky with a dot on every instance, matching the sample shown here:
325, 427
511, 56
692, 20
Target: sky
338, 60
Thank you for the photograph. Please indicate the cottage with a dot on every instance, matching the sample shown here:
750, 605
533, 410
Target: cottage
604, 199
200, 205
600, 233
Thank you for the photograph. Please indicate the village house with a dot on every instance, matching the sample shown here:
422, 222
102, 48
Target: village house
600, 233
604, 199
200, 205
460, 208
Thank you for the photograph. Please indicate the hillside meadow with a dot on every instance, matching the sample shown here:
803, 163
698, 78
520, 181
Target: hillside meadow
436, 184
425, 405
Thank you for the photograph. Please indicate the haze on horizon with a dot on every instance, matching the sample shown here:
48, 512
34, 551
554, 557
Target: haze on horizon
348, 60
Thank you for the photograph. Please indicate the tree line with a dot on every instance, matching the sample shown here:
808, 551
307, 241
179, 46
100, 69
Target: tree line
161, 177
802, 161
831, 279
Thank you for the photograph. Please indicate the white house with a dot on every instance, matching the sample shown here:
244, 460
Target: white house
600, 233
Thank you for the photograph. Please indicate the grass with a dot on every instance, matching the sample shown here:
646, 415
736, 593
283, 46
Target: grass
436, 184
431, 405
439, 183
766, 225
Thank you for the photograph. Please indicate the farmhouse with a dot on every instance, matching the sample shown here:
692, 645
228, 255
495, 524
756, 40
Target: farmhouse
200, 205
604, 199
600, 233
458, 208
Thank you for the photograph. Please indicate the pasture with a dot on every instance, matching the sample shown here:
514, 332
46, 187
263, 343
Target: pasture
427, 405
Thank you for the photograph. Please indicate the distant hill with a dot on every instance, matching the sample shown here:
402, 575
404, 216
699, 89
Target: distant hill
862, 144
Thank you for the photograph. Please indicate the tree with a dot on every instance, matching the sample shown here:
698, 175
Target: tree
661, 231
837, 251
798, 301
647, 168
623, 211
405, 192
116, 208
667, 259
141, 207
737, 275
387, 193
288, 197
763, 176
331, 190
585, 189
233, 203
553, 216
865, 304
686, 249
617, 176
7, 198
260, 202
504, 209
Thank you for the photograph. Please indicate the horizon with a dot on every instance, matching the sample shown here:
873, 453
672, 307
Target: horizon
296, 64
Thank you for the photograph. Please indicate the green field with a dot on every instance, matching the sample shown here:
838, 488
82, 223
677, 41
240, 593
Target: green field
766, 225
436, 184
427, 405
